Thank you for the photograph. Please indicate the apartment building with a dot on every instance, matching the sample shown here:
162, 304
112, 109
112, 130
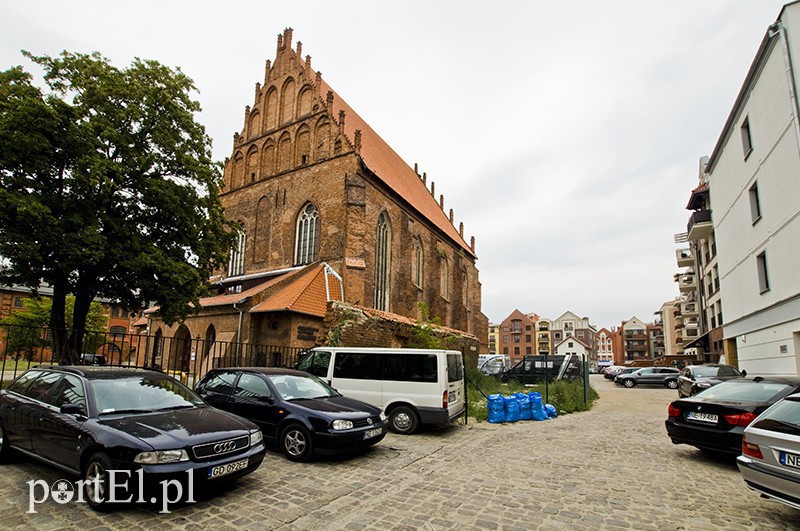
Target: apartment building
516, 335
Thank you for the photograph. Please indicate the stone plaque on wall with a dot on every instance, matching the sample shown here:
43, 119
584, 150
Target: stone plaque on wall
306, 332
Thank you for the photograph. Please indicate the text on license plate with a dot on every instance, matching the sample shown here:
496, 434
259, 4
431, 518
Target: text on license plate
702, 417
792, 460
224, 470
369, 434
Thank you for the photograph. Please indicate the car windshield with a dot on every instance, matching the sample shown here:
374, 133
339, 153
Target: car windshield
293, 386
706, 372
140, 393
744, 391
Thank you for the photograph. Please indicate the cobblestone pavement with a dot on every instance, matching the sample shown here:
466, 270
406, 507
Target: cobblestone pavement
611, 468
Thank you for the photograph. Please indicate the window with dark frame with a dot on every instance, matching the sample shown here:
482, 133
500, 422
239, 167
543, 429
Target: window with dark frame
763, 276
755, 204
747, 139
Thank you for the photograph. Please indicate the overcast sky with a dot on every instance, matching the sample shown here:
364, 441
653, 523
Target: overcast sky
565, 135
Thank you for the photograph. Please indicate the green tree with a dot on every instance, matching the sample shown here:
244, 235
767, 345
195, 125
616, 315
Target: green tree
26, 329
108, 188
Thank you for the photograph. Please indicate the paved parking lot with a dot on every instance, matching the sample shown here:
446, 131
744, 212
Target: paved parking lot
610, 468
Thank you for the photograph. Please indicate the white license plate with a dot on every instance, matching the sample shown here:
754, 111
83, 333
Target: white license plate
790, 460
702, 417
369, 434
224, 470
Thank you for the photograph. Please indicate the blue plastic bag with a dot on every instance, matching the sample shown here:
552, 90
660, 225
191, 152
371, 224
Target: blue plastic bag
496, 406
551, 411
537, 408
512, 408
524, 406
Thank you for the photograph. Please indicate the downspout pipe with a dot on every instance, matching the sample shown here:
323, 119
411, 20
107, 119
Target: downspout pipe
779, 29
239, 330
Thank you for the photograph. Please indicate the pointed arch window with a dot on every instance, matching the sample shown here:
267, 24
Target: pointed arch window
444, 279
383, 258
307, 235
236, 261
417, 263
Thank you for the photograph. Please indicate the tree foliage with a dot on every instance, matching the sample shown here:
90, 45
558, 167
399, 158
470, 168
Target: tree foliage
108, 188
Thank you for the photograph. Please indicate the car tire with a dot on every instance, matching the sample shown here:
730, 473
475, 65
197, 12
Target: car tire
628, 383
95, 478
403, 420
296, 443
5, 450
672, 384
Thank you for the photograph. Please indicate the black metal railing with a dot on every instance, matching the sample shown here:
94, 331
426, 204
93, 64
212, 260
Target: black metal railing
184, 358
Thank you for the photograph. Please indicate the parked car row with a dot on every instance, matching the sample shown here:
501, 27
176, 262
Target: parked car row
93, 420
662, 376
757, 420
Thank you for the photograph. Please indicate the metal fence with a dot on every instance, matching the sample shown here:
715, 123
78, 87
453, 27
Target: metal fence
184, 358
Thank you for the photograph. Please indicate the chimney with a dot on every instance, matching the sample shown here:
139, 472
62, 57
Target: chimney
451, 216
416, 169
424, 178
441, 201
472, 243
461, 229
433, 188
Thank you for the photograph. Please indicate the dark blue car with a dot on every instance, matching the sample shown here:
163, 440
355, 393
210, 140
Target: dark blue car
297, 410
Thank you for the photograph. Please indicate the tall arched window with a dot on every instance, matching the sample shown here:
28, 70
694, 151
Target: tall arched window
383, 260
236, 262
444, 279
307, 235
417, 263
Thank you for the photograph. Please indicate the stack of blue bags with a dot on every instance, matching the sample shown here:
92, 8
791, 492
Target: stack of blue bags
519, 406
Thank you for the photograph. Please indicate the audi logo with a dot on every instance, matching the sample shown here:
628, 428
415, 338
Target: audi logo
223, 447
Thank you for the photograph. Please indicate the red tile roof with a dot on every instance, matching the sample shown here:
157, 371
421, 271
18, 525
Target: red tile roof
306, 294
388, 316
384, 162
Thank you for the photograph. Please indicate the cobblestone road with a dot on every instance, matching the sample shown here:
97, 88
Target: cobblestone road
611, 468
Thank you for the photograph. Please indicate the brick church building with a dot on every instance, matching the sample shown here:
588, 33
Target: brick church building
333, 220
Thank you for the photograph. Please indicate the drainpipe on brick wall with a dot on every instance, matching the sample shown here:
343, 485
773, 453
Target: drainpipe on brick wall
779, 29
239, 330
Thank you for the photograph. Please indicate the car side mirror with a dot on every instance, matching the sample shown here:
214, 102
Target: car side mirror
72, 409
744, 374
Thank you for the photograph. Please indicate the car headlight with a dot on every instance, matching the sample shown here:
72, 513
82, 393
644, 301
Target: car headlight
161, 457
383, 416
256, 437
342, 424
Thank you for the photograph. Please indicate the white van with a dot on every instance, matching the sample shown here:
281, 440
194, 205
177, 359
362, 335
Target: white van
412, 386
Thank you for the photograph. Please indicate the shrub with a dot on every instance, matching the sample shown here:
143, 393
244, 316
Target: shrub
566, 396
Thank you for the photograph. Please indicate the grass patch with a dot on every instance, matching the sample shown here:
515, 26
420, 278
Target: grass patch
566, 396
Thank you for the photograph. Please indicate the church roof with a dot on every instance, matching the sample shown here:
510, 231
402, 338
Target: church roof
308, 293
390, 168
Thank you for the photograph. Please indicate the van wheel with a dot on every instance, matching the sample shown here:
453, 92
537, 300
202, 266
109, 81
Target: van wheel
403, 420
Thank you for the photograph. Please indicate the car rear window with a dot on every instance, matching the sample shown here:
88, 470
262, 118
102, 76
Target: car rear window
455, 368
784, 417
745, 391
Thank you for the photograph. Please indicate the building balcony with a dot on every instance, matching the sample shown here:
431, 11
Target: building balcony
684, 257
687, 282
635, 334
689, 308
699, 225
691, 322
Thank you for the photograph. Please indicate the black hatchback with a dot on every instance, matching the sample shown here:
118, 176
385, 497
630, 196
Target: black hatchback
695, 378
106, 424
714, 420
295, 409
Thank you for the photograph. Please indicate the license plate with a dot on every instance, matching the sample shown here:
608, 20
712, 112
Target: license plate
224, 470
790, 460
702, 417
369, 434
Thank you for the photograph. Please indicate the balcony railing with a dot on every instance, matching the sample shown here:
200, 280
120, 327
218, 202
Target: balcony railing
699, 225
687, 282
684, 257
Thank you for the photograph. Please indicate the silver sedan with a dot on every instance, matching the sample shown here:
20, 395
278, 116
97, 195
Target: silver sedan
770, 460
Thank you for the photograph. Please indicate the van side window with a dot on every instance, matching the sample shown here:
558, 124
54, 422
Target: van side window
410, 368
357, 366
455, 368
316, 363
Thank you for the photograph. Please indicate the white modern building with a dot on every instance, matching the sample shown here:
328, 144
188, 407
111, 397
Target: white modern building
754, 183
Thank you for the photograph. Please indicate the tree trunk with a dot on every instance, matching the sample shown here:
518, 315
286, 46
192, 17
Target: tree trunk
58, 322
83, 300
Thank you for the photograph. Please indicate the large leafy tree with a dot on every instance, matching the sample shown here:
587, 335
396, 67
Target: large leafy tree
108, 188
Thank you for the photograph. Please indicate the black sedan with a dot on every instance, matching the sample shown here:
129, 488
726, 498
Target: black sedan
296, 409
108, 425
714, 420
695, 378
